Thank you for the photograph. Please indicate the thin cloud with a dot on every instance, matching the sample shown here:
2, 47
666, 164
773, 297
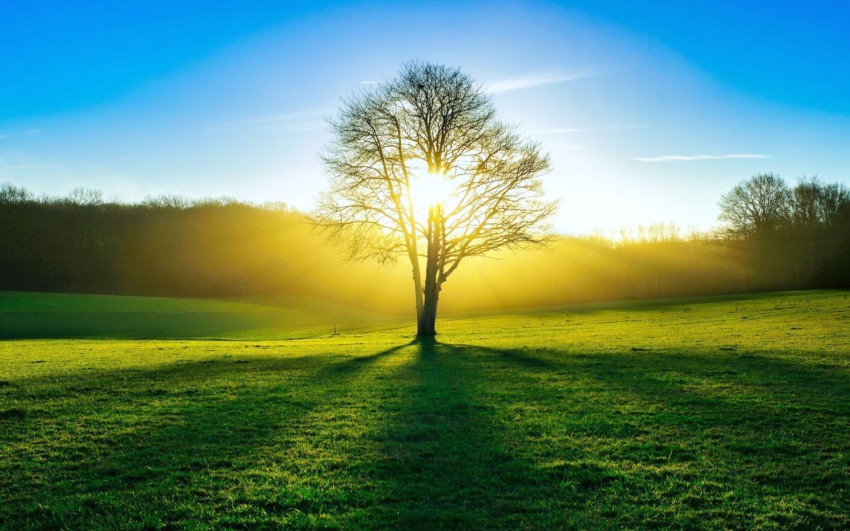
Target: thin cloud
27, 166
369, 82
28, 132
674, 158
565, 131
533, 80
299, 121
571, 147
297, 116
294, 127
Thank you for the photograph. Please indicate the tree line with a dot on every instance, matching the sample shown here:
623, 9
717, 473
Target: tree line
165, 245
774, 237
799, 237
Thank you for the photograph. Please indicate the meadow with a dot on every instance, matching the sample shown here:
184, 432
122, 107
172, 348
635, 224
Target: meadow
145, 413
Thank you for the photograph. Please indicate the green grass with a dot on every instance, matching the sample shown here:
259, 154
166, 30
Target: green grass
58, 315
701, 413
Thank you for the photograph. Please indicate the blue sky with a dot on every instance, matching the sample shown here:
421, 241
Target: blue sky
650, 110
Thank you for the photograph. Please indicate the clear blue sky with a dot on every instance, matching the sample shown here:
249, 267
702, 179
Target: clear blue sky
649, 109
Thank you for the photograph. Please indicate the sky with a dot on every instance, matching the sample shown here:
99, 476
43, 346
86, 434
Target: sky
649, 110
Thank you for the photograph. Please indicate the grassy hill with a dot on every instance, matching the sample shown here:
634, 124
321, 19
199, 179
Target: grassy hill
727, 412
59, 315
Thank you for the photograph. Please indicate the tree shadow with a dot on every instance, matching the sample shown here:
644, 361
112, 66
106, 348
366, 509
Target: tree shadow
772, 428
121, 440
763, 387
444, 460
429, 434
359, 363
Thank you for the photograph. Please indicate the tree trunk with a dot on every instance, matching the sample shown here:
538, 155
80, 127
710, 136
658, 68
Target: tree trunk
426, 326
427, 318
417, 287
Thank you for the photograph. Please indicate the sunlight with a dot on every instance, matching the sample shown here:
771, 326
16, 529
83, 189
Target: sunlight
428, 189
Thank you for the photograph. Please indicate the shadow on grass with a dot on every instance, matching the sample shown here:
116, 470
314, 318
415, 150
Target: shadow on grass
358, 363
445, 461
759, 393
429, 435
771, 429
119, 442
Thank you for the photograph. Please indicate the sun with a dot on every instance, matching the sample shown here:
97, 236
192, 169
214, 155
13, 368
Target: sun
427, 190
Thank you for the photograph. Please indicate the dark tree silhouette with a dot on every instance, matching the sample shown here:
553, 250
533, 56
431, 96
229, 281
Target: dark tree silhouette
815, 205
12, 195
797, 238
432, 123
757, 207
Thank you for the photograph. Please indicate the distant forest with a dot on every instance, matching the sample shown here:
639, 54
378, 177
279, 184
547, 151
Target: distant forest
774, 238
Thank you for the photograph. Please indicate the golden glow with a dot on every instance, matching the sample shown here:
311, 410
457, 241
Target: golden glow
283, 254
569, 271
427, 190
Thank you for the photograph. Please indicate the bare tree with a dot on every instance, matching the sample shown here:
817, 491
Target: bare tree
85, 197
756, 207
816, 205
11, 194
430, 125
175, 202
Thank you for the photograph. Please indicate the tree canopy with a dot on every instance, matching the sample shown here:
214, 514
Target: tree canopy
764, 206
756, 207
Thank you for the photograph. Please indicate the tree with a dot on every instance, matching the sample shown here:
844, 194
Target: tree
86, 197
815, 205
395, 144
13, 195
757, 207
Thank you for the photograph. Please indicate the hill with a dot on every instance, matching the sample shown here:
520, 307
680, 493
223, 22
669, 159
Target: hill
726, 412
61, 315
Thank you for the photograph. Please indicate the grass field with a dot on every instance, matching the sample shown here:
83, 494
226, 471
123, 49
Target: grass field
729, 412
66, 316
